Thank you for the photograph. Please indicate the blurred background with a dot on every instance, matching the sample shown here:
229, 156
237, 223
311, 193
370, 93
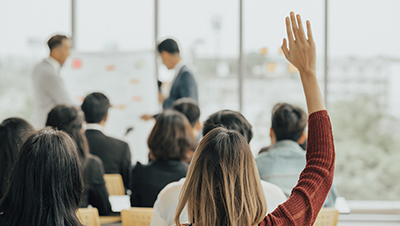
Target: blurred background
363, 67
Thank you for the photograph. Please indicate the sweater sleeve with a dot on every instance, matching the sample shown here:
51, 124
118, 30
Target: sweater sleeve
315, 181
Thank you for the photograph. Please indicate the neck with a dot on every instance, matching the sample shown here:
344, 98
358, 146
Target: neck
176, 60
55, 58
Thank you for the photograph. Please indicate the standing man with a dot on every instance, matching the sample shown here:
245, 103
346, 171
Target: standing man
49, 89
184, 84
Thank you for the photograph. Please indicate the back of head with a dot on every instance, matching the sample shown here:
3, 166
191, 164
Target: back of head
229, 119
55, 41
288, 122
168, 45
95, 106
45, 183
13, 132
189, 108
223, 185
70, 119
171, 136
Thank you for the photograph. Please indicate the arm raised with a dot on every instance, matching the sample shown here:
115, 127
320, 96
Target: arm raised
301, 53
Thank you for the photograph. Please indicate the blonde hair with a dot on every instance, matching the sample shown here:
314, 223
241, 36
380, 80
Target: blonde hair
223, 185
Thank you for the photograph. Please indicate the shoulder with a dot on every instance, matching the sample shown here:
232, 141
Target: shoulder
171, 191
117, 142
94, 161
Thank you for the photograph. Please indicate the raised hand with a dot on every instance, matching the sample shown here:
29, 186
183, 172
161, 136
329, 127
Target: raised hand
301, 54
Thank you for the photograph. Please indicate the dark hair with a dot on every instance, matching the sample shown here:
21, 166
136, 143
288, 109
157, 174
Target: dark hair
288, 122
45, 184
171, 137
70, 119
168, 45
229, 119
95, 106
13, 132
189, 108
55, 41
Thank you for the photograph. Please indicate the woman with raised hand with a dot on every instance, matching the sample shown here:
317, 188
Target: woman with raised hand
45, 183
223, 185
69, 119
13, 132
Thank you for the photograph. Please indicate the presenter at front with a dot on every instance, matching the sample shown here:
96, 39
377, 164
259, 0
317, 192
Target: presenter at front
184, 83
49, 89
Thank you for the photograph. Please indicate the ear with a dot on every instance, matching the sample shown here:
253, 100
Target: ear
272, 136
105, 118
302, 138
197, 127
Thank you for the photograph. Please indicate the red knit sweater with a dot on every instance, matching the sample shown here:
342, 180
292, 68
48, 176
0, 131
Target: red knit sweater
315, 181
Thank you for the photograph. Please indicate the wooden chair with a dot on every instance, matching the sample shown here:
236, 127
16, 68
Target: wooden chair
327, 217
88, 217
114, 184
137, 216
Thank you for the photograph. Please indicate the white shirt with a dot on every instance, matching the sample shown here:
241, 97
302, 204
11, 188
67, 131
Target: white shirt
54, 62
94, 126
168, 198
177, 69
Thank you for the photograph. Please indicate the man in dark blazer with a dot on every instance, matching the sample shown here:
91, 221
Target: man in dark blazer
184, 83
114, 153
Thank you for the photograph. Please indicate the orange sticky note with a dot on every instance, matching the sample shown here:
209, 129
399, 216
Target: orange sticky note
137, 98
135, 81
110, 68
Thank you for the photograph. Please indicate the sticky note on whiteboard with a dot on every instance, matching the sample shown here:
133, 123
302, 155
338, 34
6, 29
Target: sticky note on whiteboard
76, 63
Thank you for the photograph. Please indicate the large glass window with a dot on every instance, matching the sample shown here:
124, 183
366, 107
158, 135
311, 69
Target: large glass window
208, 34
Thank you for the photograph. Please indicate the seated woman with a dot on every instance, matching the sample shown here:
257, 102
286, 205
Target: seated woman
223, 185
13, 132
169, 142
45, 183
70, 119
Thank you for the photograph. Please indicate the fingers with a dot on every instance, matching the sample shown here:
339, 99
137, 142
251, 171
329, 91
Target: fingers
301, 34
289, 30
284, 48
309, 33
294, 26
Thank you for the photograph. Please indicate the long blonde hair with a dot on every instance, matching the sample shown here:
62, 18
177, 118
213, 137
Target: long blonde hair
223, 185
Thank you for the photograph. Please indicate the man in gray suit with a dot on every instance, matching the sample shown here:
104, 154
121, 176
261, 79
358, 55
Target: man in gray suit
184, 83
49, 89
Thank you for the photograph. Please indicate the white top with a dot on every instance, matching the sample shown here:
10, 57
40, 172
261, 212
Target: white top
177, 69
168, 198
54, 62
94, 126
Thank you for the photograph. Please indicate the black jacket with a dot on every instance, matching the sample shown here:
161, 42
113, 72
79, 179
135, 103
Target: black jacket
95, 191
148, 180
114, 154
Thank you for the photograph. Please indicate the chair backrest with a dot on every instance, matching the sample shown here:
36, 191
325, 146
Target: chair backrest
88, 217
327, 217
114, 184
137, 216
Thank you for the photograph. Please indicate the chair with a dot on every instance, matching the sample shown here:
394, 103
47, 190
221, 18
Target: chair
88, 217
137, 216
327, 217
114, 184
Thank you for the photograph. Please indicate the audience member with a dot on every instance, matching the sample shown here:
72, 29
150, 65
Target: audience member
191, 110
223, 186
70, 119
114, 153
285, 158
169, 142
49, 89
13, 132
167, 200
45, 183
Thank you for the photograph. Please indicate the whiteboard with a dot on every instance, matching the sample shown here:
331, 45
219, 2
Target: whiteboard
128, 79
